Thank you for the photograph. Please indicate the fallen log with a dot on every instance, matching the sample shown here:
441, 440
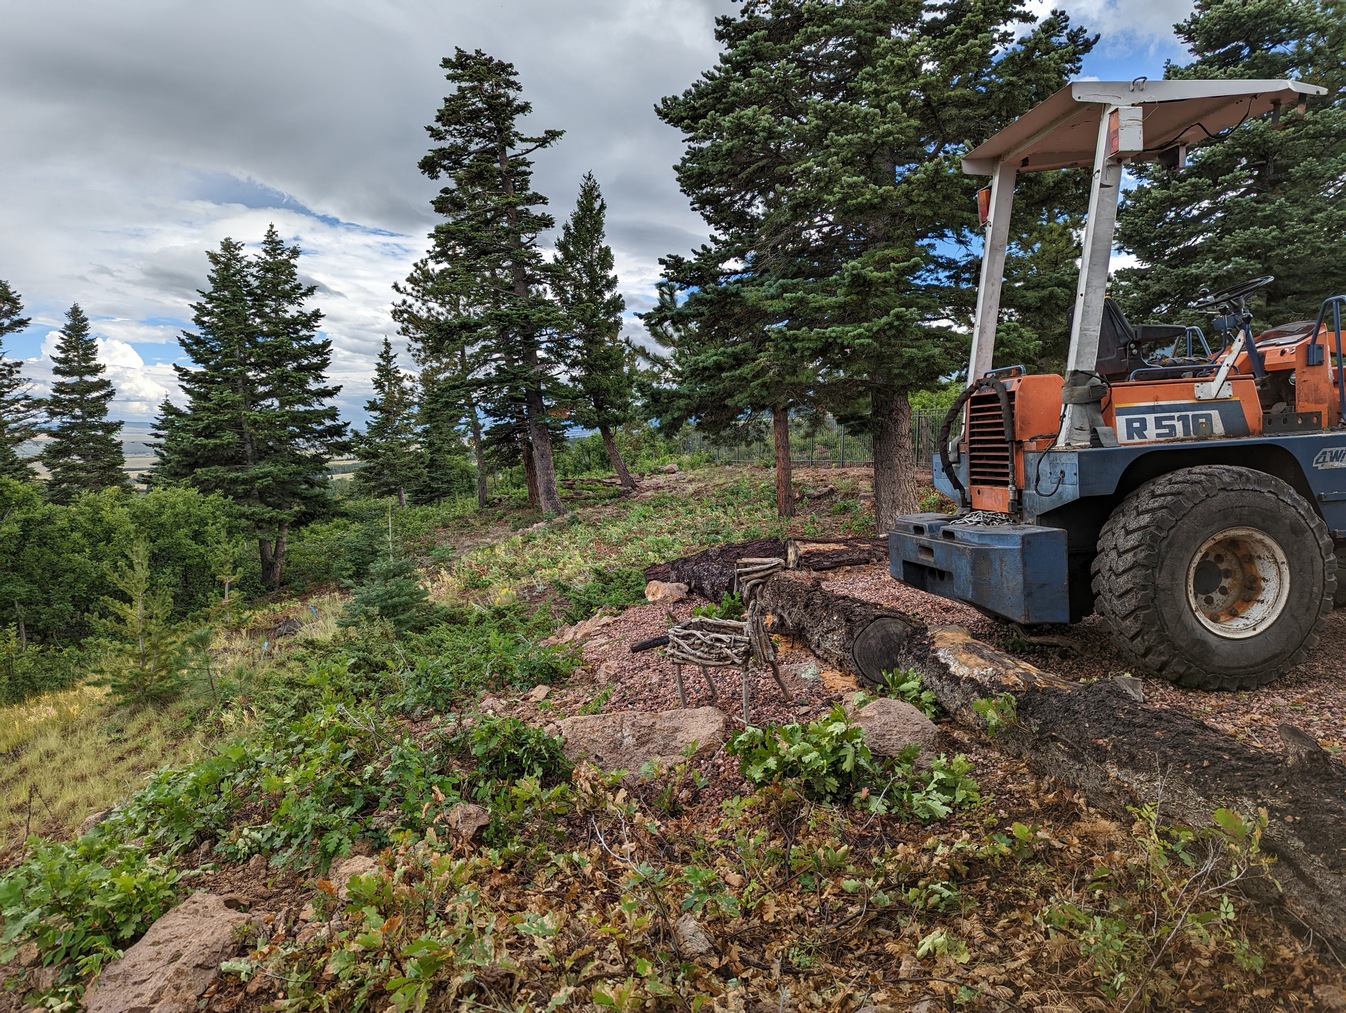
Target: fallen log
1102, 739
848, 633
831, 554
711, 573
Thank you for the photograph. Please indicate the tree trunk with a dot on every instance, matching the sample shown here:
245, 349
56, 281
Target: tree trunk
615, 456
848, 633
401, 495
833, 553
549, 497
711, 573
530, 471
785, 490
478, 455
894, 460
272, 552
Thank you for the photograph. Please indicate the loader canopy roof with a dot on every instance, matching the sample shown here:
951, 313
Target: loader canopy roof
1063, 130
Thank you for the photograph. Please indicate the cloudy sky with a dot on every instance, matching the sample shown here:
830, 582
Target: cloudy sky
139, 133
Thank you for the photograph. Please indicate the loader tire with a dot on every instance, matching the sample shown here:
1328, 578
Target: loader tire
1215, 577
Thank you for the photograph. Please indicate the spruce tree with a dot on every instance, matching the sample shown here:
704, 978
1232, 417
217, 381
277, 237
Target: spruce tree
259, 427
83, 453
1264, 198
20, 412
387, 449
596, 358
439, 324
488, 242
823, 152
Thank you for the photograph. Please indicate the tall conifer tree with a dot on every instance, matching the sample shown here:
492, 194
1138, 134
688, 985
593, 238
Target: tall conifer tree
439, 323
20, 412
823, 152
597, 360
489, 238
387, 449
1266, 198
84, 453
259, 426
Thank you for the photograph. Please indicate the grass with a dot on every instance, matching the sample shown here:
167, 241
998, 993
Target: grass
72, 753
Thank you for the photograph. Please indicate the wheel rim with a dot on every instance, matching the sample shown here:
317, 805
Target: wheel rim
1238, 583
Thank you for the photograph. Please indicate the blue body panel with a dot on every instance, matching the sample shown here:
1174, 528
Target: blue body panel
1019, 570
1014, 570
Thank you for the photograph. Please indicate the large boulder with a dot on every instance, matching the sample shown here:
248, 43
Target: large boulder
174, 962
627, 740
892, 725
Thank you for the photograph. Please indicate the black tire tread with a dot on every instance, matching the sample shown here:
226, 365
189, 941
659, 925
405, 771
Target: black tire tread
1128, 557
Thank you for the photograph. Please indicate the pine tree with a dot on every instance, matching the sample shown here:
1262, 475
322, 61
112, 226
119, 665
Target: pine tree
488, 243
1265, 198
594, 354
83, 453
20, 412
259, 426
439, 324
387, 449
823, 152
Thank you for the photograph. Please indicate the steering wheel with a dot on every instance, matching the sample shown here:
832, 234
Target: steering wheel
1214, 299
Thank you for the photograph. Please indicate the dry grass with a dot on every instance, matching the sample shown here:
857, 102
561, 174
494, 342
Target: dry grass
72, 753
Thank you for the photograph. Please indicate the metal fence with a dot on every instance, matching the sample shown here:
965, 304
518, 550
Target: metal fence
828, 446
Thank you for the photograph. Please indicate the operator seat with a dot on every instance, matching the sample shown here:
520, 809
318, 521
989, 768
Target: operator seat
1119, 343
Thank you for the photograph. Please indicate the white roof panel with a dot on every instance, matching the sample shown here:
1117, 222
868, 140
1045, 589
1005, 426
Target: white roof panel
1063, 130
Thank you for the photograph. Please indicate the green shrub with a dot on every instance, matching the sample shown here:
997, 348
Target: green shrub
605, 589
507, 749
82, 903
827, 759
906, 684
728, 607
392, 594
27, 669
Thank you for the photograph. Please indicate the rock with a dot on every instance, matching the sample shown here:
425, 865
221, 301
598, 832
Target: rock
173, 963
669, 469
627, 740
658, 592
607, 671
891, 725
539, 693
93, 820
341, 875
579, 631
491, 705
467, 820
694, 943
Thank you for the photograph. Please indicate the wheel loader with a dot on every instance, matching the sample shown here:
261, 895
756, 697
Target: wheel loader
1192, 492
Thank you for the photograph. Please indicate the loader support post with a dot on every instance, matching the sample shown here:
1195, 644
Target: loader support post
992, 270
1088, 318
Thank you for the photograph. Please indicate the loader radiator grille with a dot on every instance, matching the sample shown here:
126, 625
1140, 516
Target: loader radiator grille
989, 455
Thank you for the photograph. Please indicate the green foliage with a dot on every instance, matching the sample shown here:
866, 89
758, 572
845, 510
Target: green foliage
1139, 923
83, 453
827, 758
488, 280
614, 589
259, 426
507, 749
28, 669
834, 201
728, 607
393, 594
389, 461
20, 412
1264, 198
1000, 712
145, 658
906, 684
828, 761
82, 903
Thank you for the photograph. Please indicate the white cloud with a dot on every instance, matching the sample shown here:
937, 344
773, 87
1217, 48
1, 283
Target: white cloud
1145, 23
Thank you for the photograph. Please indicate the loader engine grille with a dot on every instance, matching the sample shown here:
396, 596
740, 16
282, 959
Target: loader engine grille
989, 454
